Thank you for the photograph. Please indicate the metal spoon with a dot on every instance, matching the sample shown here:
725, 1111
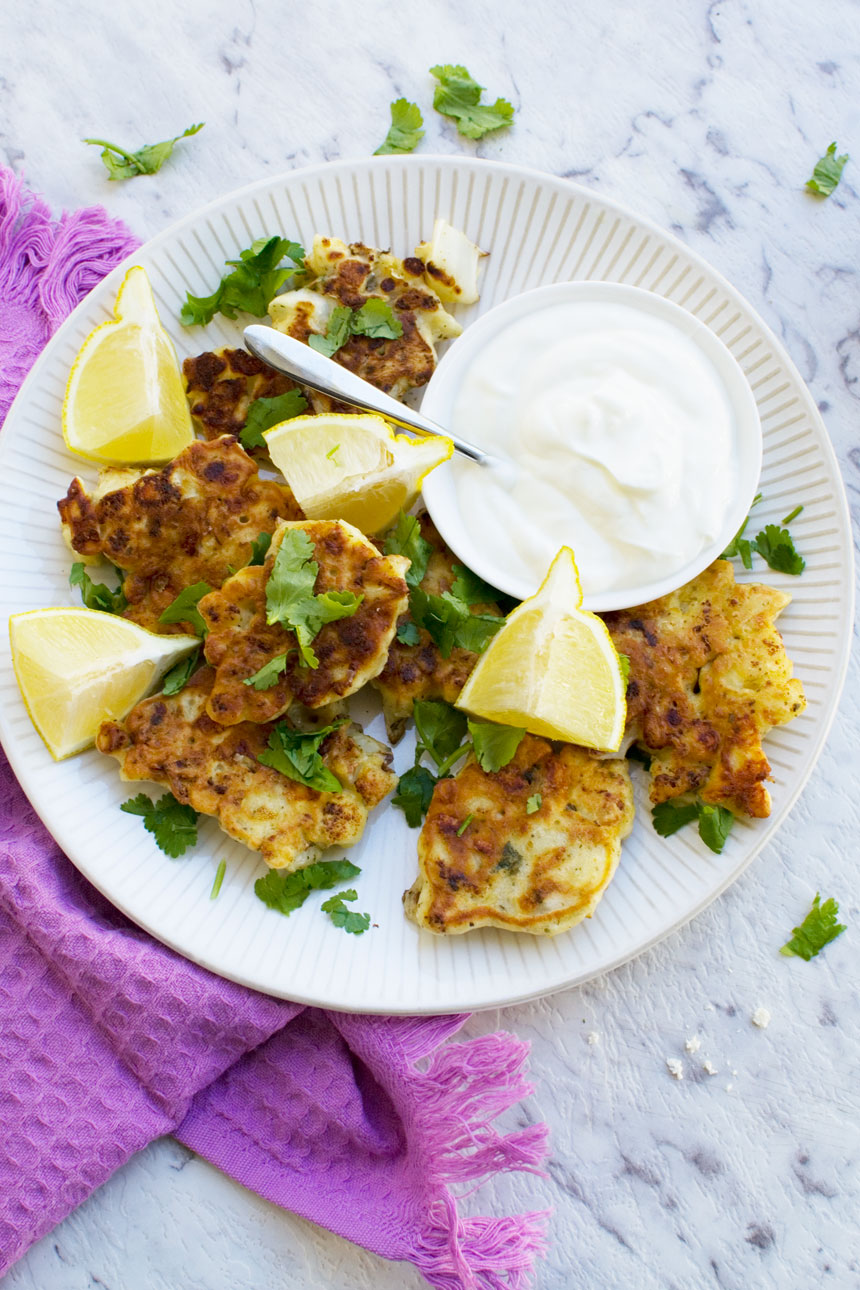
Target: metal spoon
308, 367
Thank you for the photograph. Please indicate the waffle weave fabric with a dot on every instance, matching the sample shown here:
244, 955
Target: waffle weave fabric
109, 1040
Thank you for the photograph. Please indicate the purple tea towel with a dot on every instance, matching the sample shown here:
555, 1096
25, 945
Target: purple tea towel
109, 1039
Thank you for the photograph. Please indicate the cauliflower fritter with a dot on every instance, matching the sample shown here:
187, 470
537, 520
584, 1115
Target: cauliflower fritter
221, 386
709, 677
419, 671
351, 275
350, 650
192, 521
213, 768
542, 871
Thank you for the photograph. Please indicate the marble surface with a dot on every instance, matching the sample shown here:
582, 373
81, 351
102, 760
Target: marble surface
706, 117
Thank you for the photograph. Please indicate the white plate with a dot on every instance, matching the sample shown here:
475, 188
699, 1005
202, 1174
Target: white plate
538, 229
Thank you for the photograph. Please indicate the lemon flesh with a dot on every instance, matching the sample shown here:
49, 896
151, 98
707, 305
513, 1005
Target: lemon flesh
552, 668
79, 667
353, 467
125, 400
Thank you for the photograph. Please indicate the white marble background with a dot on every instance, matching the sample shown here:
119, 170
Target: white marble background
707, 117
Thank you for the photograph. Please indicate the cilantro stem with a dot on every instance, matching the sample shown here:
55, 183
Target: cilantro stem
792, 515
464, 826
114, 147
452, 759
219, 878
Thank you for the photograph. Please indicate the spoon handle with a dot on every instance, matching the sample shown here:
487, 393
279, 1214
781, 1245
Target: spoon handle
305, 365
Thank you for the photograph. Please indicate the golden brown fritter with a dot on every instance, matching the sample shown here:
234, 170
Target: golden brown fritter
192, 521
350, 651
221, 386
419, 671
538, 872
351, 275
214, 769
709, 676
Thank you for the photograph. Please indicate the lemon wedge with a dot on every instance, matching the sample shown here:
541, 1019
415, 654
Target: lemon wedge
353, 467
79, 667
552, 668
125, 401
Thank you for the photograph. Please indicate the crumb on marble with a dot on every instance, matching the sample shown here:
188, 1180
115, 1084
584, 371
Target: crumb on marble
593, 1037
709, 1068
761, 1018
675, 1067
693, 1044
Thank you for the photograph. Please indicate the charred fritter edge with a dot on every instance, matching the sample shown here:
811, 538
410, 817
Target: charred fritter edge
351, 651
540, 872
172, 741
419, 671
222, 385
192, 521
709, 677
350, 276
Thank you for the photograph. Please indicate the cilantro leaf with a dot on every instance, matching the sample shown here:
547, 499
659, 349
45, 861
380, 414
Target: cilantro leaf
441, 728
149, 159
494, 745
450, 623
405, 539
181, 673
533, 804
287, 891
469, 587
715, 822
405, 131
348, 919
257, 276
715, 825
669, 817
457, 95
826, 173
777, 548
184, 608
290, 597
172, 824
414, 793
259, 547
476, 631
377, 320
337, 333
408, 633
265, 413
296, 754
818, 929
97, 595
269, 674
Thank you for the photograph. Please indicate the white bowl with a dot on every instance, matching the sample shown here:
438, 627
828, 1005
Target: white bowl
440, 490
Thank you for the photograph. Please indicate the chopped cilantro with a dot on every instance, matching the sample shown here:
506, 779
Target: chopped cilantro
348, 919
457, 95
414, 793
332, 453
296, 754
149, 159
97, 595
464, 826
219, 878
740, 545
184, 608
171, 823
533, 804
441, 729
181, 673
265, 413
287, 891
375, 319
624, 664
818, 929
270, 673
715, 822
408, 633
290, 597
405, 539
405, 131
257, 276
494, 745
259, 547
826, 173
776, 547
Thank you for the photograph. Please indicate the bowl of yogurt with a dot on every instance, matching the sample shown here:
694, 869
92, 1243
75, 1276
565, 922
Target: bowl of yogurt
623, 427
